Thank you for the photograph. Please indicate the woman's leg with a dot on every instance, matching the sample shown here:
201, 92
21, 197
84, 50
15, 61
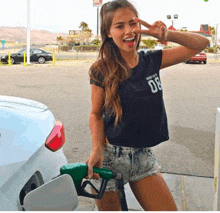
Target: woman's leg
109, 201
153, 194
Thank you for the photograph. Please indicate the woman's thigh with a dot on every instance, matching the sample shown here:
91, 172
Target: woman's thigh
153, 194
109, 201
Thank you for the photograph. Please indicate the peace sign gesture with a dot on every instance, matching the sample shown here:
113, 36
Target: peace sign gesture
157, 30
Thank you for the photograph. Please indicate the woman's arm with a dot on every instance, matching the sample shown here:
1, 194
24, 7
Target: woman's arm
191, 44
96, 123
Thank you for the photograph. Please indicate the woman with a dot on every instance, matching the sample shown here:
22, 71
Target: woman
128, 115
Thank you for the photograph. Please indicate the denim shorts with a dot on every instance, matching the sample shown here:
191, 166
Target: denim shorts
133, 163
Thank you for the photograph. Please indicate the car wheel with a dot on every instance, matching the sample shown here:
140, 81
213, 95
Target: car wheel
12, 61
41, 60
204, 62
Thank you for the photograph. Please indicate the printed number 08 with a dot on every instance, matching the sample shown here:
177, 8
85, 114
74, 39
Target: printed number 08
155, 86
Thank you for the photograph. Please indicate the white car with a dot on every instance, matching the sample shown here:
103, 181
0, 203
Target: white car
31, 156
158, 47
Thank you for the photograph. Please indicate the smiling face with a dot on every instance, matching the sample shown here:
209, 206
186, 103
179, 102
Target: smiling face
121, 30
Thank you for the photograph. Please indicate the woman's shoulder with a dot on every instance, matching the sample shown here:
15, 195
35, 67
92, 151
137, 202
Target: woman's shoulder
96, 73
150, 56
150, 53
95, 66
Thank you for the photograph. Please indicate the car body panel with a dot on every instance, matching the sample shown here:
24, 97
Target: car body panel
24, 128
200, 57
46, 162
19, 133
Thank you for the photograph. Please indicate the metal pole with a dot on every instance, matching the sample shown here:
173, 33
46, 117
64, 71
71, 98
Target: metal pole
216, 206
97, 21
28, 31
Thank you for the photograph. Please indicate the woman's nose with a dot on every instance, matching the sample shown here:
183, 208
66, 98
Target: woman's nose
128, 29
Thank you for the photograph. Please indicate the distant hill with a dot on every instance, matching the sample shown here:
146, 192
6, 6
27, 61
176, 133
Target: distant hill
19, 34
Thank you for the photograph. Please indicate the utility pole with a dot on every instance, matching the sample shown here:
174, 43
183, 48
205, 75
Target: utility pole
97, 21
28, 31
175, 17
97, 3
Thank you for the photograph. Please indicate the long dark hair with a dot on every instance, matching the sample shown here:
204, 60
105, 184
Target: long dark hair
111, 69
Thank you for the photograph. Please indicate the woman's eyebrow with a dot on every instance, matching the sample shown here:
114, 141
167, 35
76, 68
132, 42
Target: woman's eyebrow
121, 22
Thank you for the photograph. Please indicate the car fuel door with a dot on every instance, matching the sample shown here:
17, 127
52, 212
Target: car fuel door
58, 194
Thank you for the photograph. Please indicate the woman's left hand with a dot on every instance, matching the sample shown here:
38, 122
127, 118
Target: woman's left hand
157, 30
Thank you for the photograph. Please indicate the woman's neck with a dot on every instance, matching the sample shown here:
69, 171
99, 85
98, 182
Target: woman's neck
131, 59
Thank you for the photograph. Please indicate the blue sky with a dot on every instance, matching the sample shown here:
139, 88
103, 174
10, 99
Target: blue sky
65, 15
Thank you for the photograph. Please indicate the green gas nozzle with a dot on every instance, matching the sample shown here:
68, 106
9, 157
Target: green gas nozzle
78, 171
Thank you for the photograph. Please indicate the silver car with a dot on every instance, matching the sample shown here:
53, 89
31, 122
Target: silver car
31, 156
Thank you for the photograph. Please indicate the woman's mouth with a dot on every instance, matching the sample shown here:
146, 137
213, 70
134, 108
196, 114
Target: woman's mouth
129, 41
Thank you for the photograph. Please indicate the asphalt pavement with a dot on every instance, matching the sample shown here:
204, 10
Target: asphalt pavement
190, 193
191, 93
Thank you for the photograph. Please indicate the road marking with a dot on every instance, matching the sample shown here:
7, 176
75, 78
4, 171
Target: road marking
183, 195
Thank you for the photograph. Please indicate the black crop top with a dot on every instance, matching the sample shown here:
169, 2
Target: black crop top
144, 120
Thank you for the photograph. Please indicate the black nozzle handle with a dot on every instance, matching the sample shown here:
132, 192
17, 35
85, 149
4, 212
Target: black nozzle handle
82, 192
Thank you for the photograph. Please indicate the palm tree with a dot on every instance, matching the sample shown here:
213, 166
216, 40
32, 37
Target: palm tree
212, 29
59, 40
86, 32
83, 25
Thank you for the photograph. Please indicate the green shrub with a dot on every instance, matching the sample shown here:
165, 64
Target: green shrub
66, 48
149, 43
87, 48
96, 41
211, 50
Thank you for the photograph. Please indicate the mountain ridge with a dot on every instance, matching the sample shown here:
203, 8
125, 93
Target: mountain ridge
19, 35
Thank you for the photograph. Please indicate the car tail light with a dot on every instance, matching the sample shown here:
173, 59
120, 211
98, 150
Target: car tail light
56, 139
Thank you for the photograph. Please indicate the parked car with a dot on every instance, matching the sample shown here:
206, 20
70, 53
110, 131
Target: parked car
36, 55
158, 47
31, 155
201, 57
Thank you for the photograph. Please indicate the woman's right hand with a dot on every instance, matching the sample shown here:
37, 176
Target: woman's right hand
95, 160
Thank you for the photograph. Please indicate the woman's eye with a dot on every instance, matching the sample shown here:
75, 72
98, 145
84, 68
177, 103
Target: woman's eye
119, 26
133, 24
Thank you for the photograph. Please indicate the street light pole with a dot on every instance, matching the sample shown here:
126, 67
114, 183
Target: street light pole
216, 35
97, 21
97, 3
175, 17
28, 31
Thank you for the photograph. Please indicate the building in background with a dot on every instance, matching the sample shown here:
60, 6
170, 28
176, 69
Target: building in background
204, 30
78, 37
